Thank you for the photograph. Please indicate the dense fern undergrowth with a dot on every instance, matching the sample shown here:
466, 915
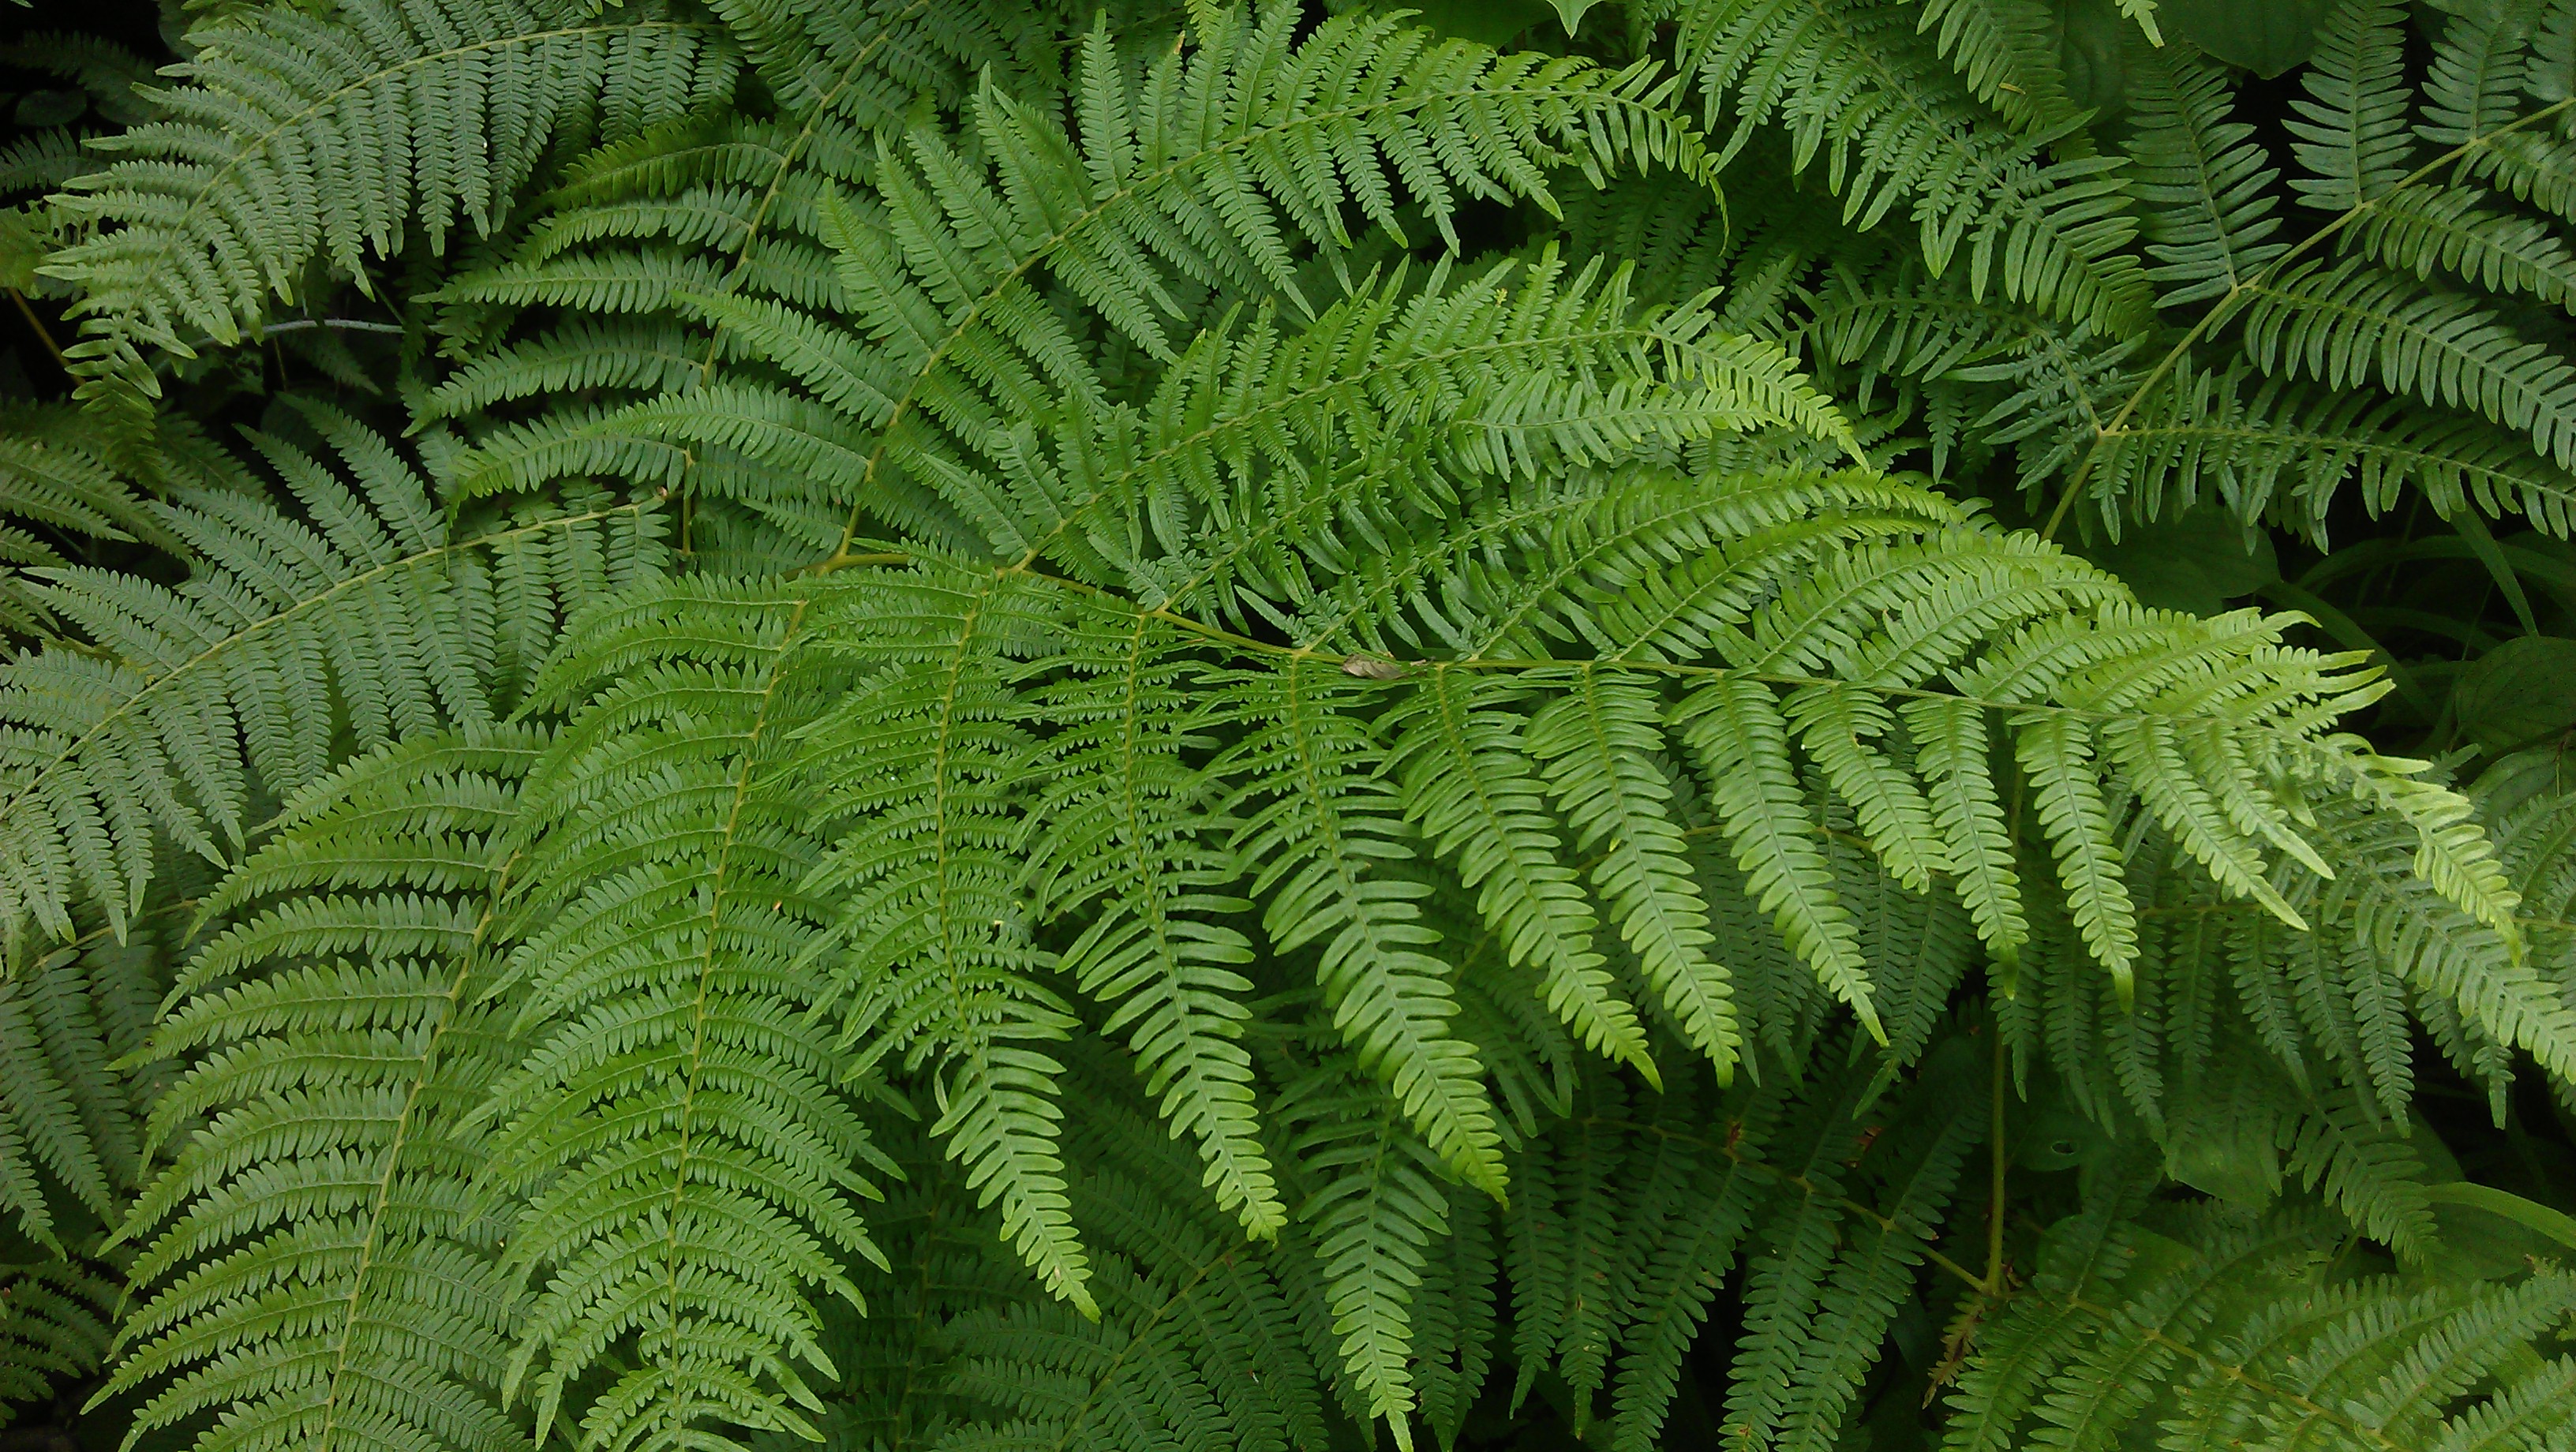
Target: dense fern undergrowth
1770, 724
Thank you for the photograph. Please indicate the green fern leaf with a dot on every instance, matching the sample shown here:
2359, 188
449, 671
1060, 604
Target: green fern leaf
1893, 125
1126, 827
197, 692
307, 136
1330, 818
314, 1267
1466, 780
2353, 140
1598, 744
2205, 178
1741, 740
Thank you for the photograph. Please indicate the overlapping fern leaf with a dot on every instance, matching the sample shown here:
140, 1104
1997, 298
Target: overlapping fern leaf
2220, 1329
183, 707
57, 492
71, 1125
1314, 710
303, 137
54, 1320
2379, 335
1896, 127
1185, 602
676, 1134
1211, 176
1743, 650
312, 1263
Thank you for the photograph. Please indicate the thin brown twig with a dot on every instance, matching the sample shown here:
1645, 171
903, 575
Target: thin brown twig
28, 311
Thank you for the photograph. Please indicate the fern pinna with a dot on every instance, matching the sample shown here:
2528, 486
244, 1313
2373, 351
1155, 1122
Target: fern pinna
938, 724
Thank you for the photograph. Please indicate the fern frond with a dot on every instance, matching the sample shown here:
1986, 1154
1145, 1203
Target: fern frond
1677, 1275
56, 487
936, 939
2482, 64
1999, 48
1873, 1273
1847, 80
111, 75
1377, 1207
54, 1323
2421, 229
2352, 323
1787, 1277
2204, 179
1598, 744
1477, 794
313, 1267
68, 1121
675, 1124
300, 136
44, 162
2226, 1333
1950, 744
2285, 447
1128, 827
1199, 1341
1326, 823
1279, 622
198, 694
1560, 1239
1454, 1330
1210, 170
2353, 140
1735, 729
